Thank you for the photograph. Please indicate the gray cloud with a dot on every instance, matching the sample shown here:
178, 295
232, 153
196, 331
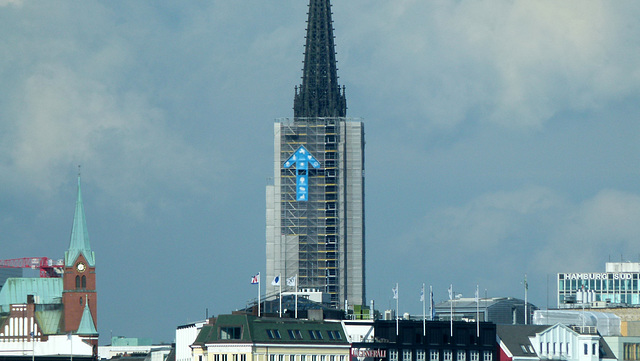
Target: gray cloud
501, 138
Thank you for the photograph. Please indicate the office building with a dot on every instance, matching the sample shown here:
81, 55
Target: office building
616, 287
315, 207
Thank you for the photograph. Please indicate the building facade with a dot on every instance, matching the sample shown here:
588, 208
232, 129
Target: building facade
409, 340
315, 232
248, 338
617, 286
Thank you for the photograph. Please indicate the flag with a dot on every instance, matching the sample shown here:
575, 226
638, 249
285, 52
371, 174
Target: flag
291, 281
431, 303
276, 281
422, 294
451, 292
255, 279
477, 297
395, 293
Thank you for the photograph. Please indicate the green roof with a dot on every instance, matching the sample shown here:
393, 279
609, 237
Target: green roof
49, 320
46, 290
271, 330
79, 243
203, 335
86, 327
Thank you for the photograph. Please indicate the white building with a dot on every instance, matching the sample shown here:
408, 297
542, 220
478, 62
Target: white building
185, 336
557, 342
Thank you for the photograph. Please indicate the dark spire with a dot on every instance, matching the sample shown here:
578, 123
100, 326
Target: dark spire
319, 95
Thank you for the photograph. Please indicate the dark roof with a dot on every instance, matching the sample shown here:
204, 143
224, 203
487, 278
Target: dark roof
514, 336
203, 335
272, 330
172, 354
605, 350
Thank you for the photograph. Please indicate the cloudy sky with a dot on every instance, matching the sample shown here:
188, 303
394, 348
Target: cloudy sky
503, 139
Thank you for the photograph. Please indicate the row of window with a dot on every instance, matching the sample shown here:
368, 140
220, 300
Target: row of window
631, 351
594, 349
297, 334
552, 348
598, 285
234, 357
447, 355
273, 357
81, 283
555, 348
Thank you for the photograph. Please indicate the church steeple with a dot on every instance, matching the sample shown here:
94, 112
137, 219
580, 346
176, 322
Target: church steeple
87, 325
79, 243
319, 95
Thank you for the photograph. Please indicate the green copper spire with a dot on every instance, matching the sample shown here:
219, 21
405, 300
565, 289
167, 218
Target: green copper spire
79, 243
86, 326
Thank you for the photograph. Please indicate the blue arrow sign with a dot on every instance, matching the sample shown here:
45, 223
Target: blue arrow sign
302, 159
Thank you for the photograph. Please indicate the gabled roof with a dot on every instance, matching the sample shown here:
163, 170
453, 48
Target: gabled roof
79, 243
514, 337
86, 326
550, 328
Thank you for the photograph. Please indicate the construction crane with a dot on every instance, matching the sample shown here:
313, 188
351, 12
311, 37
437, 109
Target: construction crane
48, 267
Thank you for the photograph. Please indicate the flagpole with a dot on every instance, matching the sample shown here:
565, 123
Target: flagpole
451, 308
397, 311
431, 302
477, 313
259, 280
296, 297
280, 284
526, 288
424, 313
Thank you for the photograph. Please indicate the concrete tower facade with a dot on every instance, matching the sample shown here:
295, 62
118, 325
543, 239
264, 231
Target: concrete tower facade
315, 207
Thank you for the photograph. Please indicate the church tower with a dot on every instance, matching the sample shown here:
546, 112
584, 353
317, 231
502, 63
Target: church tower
315, 207
79, 295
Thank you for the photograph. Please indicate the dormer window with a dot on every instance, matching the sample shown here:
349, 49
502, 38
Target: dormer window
230, 333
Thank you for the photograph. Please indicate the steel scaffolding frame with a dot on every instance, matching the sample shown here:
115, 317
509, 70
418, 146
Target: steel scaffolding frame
311, 228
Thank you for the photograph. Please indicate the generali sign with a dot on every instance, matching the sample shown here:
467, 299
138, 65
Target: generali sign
367, 352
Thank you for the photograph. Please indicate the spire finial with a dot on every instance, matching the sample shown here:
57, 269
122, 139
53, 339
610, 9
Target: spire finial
319, 94
79, 243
